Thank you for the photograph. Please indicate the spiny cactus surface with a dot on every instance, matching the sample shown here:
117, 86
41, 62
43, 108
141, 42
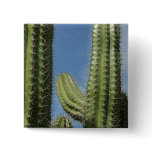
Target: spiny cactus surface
98, 83
38, 74
62, 122
70, 97
45, 75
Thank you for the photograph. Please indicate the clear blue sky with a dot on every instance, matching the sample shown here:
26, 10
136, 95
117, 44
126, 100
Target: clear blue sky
124, 56
72, 49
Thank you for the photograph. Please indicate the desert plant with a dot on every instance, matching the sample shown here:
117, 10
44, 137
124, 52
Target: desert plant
62, 122
104, 105
38, 74
70, 97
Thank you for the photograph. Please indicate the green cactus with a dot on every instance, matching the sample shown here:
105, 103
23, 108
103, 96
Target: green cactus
62, 122
38, 74
70, 97
104, 104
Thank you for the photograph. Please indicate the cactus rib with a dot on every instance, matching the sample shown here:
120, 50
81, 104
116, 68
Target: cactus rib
33, 103
113, 117
31, 75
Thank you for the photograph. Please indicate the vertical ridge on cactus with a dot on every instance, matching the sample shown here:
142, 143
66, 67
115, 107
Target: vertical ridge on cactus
45, 75
28, 72
113, 118
33, 103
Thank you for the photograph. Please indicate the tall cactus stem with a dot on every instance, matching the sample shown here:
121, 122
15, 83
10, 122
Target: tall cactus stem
45, 75
38, 74
97, 90
31, 90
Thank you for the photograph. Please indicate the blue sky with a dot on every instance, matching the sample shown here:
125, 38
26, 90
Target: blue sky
72, 49
124, 56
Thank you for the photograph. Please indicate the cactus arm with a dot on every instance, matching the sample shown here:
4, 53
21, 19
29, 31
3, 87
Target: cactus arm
62, 122
31, 77
67, 96
45, 75
97, 89
76, 91
72, 91
113, 119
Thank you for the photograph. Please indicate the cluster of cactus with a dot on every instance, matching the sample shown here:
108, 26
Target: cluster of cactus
38, 75
104, 105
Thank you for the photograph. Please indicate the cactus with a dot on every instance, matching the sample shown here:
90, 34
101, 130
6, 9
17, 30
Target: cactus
104, 104
38, 74
62, 122
70, 97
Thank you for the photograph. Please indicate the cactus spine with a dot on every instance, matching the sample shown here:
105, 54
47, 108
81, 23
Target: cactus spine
104, 102
62, 122
38, 74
